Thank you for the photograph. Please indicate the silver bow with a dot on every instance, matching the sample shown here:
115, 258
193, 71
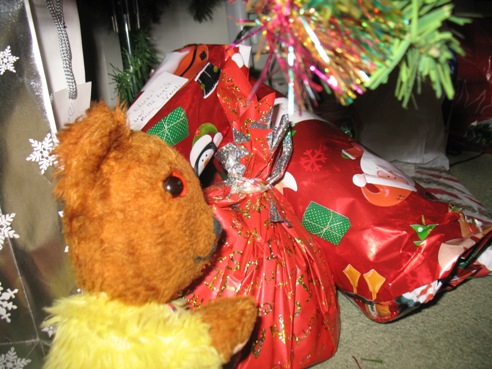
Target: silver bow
230, 155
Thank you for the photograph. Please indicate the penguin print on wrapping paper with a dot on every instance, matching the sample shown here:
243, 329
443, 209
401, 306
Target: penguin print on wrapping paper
209, 76
192, 59
205, 143
208, 79
381, 183
192, 62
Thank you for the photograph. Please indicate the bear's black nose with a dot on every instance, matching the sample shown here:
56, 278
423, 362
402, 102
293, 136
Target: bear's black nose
217, 227
217, 232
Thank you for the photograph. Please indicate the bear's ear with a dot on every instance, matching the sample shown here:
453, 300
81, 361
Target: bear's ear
84, 144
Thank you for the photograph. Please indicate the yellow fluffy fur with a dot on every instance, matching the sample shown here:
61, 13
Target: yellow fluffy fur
148, 336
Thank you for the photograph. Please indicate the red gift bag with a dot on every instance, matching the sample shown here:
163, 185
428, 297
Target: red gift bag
266, 251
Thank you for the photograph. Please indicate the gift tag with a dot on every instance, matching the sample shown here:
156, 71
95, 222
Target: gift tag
66, 110
153, 98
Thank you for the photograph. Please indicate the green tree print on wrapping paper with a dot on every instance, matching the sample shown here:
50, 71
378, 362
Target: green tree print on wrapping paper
173, 128
325, 223
423, 230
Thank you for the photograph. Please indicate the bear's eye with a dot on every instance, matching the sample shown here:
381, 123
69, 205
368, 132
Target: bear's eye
175, 185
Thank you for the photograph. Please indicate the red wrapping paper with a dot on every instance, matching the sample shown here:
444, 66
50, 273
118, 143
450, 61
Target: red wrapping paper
391, 248
390, 244
180, 104
266, 251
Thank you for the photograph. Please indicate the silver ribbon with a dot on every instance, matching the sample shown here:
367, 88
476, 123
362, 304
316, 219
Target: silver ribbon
280, 134
230, 155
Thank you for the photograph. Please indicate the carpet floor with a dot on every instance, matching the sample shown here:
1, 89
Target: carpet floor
454, 332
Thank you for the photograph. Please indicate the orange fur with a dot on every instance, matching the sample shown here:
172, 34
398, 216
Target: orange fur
127, 236
219, 315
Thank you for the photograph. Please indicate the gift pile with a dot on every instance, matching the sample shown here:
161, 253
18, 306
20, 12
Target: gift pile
304, 208
391, 245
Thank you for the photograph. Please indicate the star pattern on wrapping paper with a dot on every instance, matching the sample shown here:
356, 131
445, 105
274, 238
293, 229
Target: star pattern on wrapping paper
173, 128
42, 152
7, 61
6, 230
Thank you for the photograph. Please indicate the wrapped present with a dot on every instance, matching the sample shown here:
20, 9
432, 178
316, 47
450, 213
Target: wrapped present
391, 245
179, 103
266, 251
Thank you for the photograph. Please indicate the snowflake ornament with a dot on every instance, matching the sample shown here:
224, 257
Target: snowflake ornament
11, 361
42, 152
5, 229
6, 304
7, 61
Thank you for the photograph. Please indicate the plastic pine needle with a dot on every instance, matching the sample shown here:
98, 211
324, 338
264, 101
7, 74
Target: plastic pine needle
353, 45
425, 52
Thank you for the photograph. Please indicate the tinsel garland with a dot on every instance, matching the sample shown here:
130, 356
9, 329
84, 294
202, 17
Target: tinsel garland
353, 45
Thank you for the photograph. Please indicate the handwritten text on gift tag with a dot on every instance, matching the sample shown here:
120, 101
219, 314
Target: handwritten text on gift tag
152, 99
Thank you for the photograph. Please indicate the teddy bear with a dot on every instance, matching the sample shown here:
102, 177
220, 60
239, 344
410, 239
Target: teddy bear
139, 232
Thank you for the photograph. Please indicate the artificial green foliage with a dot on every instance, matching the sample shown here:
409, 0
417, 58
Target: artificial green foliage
139, 65
425, 51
